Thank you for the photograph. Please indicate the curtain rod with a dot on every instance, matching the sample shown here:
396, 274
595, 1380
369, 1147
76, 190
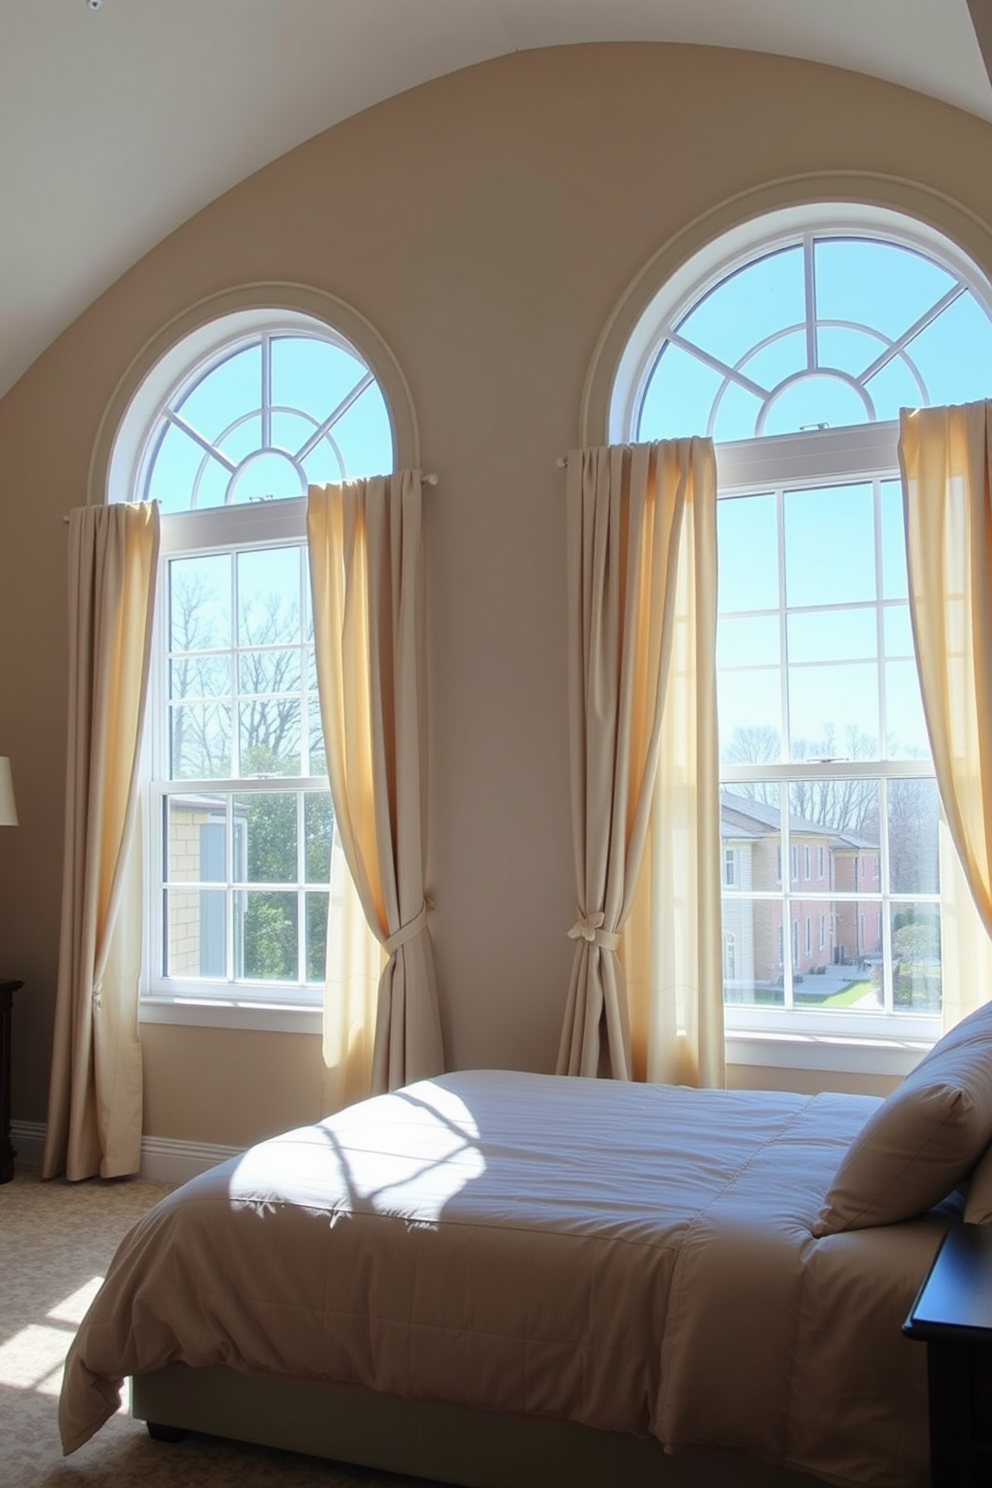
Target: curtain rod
430, 479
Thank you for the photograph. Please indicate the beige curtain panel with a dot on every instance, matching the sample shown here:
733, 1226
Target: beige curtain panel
95, 1099
946, 459
381, 1022
641, 599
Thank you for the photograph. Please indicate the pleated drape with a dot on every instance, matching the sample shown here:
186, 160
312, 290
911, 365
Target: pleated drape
641, 612
946, 459
381, 1022
95, 1097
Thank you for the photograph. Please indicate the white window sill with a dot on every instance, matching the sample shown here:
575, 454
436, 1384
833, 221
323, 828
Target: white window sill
263, 1017
820, 1051
762, 1048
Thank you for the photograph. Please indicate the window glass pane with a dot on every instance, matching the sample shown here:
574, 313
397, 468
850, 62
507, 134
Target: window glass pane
316, 912
954, 353
905, 724
200, 677
916, 958
269, 596
736, 414
898, 631
749, 711
291, 431
270, 740
196, 933
847, 349
752, 952
913, 813
312, 374
278, 670
196, 838
318, 755
784, 356
325, 463
833, 711
242, 439
843, 817
747, 542
895, 386
364, 436
749, 826
832, 635
878, 284
743, 640
229, 389
211, 483
270, 836
200, 603
271, 951
176, 461
201, 741
319, 828
829, 545
677, 400
748, 305
840, 977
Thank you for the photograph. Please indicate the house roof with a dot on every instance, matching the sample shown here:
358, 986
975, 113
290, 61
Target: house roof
118, 120
749, 818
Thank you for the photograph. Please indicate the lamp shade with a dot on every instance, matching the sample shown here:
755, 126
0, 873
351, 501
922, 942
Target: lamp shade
8, 808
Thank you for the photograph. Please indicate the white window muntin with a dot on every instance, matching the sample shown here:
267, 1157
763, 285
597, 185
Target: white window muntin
860, 454
173, 397
218, 531
730, 252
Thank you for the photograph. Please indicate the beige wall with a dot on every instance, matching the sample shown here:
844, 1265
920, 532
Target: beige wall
486, 224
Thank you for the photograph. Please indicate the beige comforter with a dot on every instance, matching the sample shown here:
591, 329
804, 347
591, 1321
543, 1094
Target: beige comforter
638, 1258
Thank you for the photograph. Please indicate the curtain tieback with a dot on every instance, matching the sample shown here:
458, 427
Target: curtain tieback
589, 927
409, 930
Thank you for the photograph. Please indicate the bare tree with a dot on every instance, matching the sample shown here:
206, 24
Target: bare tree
842, 805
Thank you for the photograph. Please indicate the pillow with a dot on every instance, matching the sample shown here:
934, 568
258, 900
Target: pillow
923, 1139
978, 1204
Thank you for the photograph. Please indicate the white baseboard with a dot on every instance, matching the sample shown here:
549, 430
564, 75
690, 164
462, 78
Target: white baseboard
163, 1160
166, 1161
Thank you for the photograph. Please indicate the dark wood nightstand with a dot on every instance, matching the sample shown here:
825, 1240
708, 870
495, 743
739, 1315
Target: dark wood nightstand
952, 1315
7, 1153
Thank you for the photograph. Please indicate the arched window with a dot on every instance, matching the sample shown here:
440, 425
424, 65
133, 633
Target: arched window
794, 342
227, 427
263, 417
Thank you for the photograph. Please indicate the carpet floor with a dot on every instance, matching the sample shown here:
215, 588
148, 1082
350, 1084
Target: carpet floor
56, 1241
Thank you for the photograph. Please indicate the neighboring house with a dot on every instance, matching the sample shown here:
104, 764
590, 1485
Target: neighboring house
821, 861
196, 918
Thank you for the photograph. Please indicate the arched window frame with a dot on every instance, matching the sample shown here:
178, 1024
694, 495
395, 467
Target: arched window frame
681, 274
195, 341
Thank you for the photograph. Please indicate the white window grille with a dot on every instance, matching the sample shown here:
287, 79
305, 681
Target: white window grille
796, 351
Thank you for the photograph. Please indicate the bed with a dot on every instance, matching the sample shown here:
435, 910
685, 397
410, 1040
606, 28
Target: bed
496, 1277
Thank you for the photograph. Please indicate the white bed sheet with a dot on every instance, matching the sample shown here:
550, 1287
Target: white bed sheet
634, 1257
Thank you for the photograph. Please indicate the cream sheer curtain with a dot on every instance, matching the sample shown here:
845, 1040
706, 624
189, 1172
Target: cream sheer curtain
381, 1023
946, 459
95, 1098
645, 997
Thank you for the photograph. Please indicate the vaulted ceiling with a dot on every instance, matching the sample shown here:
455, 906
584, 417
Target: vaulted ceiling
121, 118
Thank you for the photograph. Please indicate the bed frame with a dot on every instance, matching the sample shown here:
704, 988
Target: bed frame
452, 1444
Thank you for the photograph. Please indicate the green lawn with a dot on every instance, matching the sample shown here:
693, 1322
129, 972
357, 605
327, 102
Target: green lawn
852, 993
